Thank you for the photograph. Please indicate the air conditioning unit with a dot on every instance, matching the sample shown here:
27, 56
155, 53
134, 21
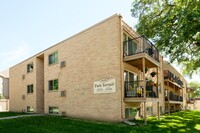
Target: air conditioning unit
63, 93
63, 113
23, 76
24, 110
63, 64
23, 97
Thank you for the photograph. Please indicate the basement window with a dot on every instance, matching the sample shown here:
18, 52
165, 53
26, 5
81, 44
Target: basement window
53, 110
149, 111
30, 109
130, 112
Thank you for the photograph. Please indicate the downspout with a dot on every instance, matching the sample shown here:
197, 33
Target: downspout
121, 63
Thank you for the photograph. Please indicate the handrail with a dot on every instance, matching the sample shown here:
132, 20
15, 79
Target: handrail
140, 45
134, 89
169, 75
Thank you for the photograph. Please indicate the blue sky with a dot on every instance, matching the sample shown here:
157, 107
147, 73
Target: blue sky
30, 26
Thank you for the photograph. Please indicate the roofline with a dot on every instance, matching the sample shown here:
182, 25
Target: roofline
197, 98
132, 31
4, 76
101, 22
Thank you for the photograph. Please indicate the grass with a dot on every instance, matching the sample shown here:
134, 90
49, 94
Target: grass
185, 121
7, 114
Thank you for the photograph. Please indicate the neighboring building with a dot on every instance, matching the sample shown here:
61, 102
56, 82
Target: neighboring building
190, 98
106, 72
192, 102
4, 84
4, 90
175, 89
196, 105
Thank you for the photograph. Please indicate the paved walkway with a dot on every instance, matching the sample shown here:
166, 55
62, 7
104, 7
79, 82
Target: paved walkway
19, 116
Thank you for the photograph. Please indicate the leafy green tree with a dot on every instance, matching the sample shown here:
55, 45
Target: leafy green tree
196, 87
174, 26
1, 96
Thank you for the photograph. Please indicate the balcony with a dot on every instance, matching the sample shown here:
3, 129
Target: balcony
135, 90
136, 49
171, 77
190, 101
174, 98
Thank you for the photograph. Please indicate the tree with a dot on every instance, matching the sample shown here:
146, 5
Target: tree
1, 96
196, 87
174, 26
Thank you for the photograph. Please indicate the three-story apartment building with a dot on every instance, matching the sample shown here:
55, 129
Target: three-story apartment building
100, 73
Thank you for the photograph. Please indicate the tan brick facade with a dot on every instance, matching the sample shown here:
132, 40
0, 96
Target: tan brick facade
91, 55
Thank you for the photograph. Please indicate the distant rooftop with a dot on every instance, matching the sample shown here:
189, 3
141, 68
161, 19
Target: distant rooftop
5, 73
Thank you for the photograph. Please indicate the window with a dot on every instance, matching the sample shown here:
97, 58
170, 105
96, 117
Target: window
129, 76
29, 109
53, 84
130, 112
149, 111
129, 45
132, 46
161, 112
124, 37
53, 58
53, 110
125, 76
125, 44
172, 108
30, 89
166, 93
131, 79
131, 84
30, 67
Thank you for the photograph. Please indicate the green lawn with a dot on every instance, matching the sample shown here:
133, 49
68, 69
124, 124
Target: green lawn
188, 121
6, 114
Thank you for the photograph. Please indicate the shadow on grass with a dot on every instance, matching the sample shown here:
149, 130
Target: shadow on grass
184, 121
174, 123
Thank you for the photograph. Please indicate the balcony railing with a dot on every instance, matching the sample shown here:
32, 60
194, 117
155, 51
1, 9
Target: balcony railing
133, 89
169, 75
190, 100
173, 97
140, 45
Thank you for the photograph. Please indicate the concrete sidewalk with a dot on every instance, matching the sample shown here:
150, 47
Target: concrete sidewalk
19, 116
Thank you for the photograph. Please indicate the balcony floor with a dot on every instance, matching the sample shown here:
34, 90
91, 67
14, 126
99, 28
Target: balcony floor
136, 60
174, 102
141, 99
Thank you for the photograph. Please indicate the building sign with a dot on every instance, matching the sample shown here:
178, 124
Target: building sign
104, 86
